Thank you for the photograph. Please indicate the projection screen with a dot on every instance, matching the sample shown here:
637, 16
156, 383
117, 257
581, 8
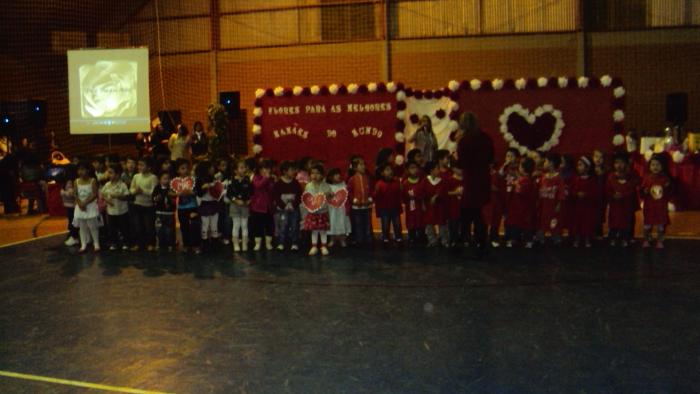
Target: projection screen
108, 91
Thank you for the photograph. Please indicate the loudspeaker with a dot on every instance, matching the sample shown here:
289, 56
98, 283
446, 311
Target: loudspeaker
36, 111
677, 108
232, 102
170, 119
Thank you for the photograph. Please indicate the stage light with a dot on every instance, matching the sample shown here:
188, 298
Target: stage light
37, 109
6, 120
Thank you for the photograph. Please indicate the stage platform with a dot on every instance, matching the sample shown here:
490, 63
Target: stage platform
379, 320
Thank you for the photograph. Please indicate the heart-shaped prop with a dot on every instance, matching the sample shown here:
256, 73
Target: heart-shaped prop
180, 185
216, 190
313, 202
528, 131
339, 198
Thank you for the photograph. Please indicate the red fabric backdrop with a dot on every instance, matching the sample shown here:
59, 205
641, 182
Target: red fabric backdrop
310, 133
587, 114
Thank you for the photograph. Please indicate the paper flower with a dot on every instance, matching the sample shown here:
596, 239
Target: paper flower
618, 115
401, 95
583, 82
497, 84
352, 88
542, 82
279, 91
520, 84
259, 93
372, 87
333, 89
563, 82
297, 90
453, 85
619, 92
475, 84
401, 114
618, 139
257, 148
257, 129
391, 87
315, 90
399, 159
605, 80
257, 111
400, 137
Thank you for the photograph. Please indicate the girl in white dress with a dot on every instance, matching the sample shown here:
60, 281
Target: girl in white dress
87, 215
340, 221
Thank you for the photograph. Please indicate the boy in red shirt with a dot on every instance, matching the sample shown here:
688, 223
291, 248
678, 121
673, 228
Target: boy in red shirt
520, 220
551, 196
413, 195
387, 201
621, 195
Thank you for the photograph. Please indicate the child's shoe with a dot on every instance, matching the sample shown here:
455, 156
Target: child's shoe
236, 245
280, 247
509, 244
258, 244
71, 241
494, 244
244, 244
313, 251
324, 250
113, 247
268, 243
295, 247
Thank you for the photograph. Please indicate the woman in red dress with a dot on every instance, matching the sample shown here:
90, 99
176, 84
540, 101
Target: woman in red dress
655, 192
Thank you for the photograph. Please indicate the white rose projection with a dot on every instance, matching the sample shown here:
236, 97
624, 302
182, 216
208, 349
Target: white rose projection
108, 88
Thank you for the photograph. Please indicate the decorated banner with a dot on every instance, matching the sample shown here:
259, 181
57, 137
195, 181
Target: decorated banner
567, 115
327, 123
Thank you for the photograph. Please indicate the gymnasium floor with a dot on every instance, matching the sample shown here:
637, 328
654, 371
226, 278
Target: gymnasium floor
408, 320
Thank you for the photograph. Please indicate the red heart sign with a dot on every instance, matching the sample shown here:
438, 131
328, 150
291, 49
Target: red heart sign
180, 185
339, 198
313, 202
216, 190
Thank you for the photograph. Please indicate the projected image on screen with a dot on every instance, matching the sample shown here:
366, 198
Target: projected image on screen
108, 90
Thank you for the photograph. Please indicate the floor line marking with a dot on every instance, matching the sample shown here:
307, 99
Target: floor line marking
76, 383
32, 239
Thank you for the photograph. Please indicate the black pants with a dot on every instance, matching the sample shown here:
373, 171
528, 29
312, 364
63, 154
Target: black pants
261, 224
145, 221
189, 227
474, 216
165, 225
118, 229
72, 230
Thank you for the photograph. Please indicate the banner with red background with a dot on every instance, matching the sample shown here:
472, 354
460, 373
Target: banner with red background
567, 115
327, 123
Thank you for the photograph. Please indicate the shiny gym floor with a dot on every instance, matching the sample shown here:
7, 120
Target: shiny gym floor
382, 320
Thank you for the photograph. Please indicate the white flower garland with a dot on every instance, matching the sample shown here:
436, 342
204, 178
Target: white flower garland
497, 84
352, 88
520, 84
531, 118
475, 84
563, 82
618, 140
279, 91
453, 85
297, 90
542, 82
372, 87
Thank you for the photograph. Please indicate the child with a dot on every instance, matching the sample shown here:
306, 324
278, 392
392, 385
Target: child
359, 194
655, 191
339, 220
208, 203
87, 215
416, 156
305, 165
584, 191
164, 202
142, 186
496, 207
68, 198
566, 213
551, 196
521, 207
456, 227
115, 194
538, 158
100, 167
223, 175
287, 197
601, 174
509, 174
435, 206
261, 221
443, 159
238, 192
413, 192
621, 194
187, 214
387, 197
318, 222
127, 176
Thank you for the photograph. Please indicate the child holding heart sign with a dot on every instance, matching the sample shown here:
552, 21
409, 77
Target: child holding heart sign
315, 201
338, 209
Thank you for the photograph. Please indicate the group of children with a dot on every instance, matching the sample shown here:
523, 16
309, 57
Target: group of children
256, 203
546, 195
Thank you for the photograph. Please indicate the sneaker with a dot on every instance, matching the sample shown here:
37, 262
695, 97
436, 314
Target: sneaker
494, 244
646, 244
124, 247
324, 251
509, 244
613, 243
71, 241
313, 251
82, 249
295, 247
280, 247
236, 247
659, 245
528, 245
112, 247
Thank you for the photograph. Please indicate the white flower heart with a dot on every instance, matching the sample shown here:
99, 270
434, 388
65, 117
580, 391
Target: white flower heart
531, 118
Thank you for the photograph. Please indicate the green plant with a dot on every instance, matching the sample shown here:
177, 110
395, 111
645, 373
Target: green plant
218, 130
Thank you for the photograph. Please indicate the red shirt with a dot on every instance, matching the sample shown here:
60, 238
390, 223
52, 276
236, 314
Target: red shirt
454, 202
522, 204
387, 195
359, 190
552, 192
656, 190
621, 194
435, 214
413, 195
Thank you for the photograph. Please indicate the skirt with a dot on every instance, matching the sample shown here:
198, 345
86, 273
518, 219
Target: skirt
316, 222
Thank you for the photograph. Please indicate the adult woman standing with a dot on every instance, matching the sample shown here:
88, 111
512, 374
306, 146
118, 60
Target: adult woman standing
474, 156
179, 143
200, 141
424, 139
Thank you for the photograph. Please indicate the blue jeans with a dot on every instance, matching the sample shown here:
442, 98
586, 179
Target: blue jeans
390, 217
287, 227
360, 222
